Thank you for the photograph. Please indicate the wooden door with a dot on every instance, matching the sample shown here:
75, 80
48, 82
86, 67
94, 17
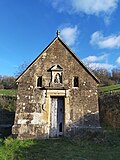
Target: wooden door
57, 117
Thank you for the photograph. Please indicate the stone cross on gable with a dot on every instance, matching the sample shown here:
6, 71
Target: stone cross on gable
58, 33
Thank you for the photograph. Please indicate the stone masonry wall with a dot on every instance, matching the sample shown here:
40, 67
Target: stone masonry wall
109, 106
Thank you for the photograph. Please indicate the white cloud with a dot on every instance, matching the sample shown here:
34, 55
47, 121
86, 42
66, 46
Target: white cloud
118, 60
94, 6
100, 40
91, 59
101, 66
90, 7
69, 34
98, 62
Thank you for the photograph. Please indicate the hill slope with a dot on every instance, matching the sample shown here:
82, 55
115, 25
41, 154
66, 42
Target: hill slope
8, 92
108, 89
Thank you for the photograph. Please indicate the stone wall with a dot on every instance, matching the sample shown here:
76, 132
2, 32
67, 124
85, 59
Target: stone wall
7, 108
109, 105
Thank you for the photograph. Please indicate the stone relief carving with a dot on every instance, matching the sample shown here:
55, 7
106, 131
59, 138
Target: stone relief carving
57, 78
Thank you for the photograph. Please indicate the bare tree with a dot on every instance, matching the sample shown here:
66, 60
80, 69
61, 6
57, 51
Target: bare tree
104, 75
116, 75
22, 68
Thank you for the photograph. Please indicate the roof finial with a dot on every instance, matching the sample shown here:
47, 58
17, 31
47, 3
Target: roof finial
58, 33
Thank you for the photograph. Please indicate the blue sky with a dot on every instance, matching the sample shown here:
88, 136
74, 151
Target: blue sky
90, 28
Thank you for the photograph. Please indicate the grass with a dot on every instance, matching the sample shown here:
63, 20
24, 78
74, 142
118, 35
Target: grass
108, 89
102, 148
8, 92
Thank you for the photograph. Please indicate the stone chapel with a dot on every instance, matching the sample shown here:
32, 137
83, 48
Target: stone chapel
57, 95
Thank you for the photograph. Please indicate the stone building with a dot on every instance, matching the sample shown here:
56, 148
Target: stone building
57, 95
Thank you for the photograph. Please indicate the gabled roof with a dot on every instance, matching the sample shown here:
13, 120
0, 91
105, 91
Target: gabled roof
73, 54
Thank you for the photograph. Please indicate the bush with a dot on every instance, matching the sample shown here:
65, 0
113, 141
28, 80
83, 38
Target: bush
8, 102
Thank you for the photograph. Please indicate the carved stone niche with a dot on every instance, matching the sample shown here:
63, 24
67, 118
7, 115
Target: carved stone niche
56, 76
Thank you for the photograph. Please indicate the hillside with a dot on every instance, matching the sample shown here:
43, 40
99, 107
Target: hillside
8, 99
8, 92
109, 89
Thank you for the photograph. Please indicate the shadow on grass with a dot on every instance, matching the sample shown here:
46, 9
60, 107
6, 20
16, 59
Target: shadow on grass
102, 146
88, 144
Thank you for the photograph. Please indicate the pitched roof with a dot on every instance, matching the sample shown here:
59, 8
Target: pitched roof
73, 54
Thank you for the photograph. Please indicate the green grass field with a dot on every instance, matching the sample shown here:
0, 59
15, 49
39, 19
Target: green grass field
108, 89
95, 148
8, 92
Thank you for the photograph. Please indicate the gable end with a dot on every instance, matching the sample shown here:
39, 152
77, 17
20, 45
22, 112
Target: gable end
70, 51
